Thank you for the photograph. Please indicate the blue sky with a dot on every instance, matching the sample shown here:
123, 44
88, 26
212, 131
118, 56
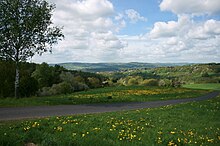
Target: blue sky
136, 31
148, 9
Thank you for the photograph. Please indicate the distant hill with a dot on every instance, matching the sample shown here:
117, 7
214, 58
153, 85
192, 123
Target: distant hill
110, 67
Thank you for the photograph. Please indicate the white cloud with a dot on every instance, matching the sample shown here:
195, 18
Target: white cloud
183, 40
170, 28
134, 16
91, 26
195, 7
89, 31
206, 30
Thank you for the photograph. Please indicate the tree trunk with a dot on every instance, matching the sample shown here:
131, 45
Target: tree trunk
17, 81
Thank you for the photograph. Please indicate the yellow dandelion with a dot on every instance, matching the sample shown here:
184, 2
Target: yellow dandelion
59, 128
64, 122
172, 132
160, 132
210, 140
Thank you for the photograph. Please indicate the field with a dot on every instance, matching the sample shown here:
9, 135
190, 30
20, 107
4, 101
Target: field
107, 95
195, 123
203, 86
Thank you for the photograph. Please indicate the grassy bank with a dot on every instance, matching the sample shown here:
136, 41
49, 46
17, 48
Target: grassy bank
195, 123
107, 95
203, 86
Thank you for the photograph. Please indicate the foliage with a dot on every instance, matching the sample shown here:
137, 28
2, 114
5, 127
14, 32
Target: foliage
195, 123
28, 84
150, 82
45, 80
169, 76
26, 29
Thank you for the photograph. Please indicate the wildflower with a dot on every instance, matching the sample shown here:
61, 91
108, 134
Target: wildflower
35, 124
64, 122
83, 135
171, 143
172, 132
26, 128
190, 133
210, 140
74, 134
159, 140
160, 132
59, 128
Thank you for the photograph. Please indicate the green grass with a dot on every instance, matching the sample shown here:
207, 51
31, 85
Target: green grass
203, 86
196, 123
107, 95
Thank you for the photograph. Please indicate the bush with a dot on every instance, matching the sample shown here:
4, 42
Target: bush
80, 87
28, 86
61, 88
165, 82
94, 82
150, 82
135, 80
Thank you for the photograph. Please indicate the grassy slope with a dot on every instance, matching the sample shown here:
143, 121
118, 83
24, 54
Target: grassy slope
194, 123
107, 95
203, 86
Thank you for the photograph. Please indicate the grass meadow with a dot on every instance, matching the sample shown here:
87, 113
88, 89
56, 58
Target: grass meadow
107, 95
203, 86
196, 123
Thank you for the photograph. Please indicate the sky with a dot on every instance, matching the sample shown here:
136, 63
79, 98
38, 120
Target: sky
152, 31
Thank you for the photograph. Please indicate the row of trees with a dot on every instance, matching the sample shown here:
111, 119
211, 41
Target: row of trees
42, 80
139, 80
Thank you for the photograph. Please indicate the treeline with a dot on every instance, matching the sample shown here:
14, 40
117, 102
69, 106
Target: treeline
43, 80
167, 76
139, 80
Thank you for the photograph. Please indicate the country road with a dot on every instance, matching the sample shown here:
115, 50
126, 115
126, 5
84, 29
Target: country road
17, 113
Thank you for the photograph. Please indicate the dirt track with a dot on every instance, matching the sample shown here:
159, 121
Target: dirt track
60, 110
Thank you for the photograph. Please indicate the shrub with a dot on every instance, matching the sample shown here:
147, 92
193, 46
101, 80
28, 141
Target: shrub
150, 82
28, 86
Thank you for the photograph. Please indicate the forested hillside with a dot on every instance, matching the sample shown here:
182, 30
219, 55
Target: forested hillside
167, 76
112, 67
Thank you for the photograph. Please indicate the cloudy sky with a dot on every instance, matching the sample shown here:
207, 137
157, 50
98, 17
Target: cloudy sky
136, 31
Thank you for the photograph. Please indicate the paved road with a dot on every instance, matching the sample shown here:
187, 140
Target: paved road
16, 113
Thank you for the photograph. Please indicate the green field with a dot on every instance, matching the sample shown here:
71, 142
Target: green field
203, 86
196, 123
107, 95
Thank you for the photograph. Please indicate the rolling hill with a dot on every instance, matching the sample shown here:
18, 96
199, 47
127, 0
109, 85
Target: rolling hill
110, 67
